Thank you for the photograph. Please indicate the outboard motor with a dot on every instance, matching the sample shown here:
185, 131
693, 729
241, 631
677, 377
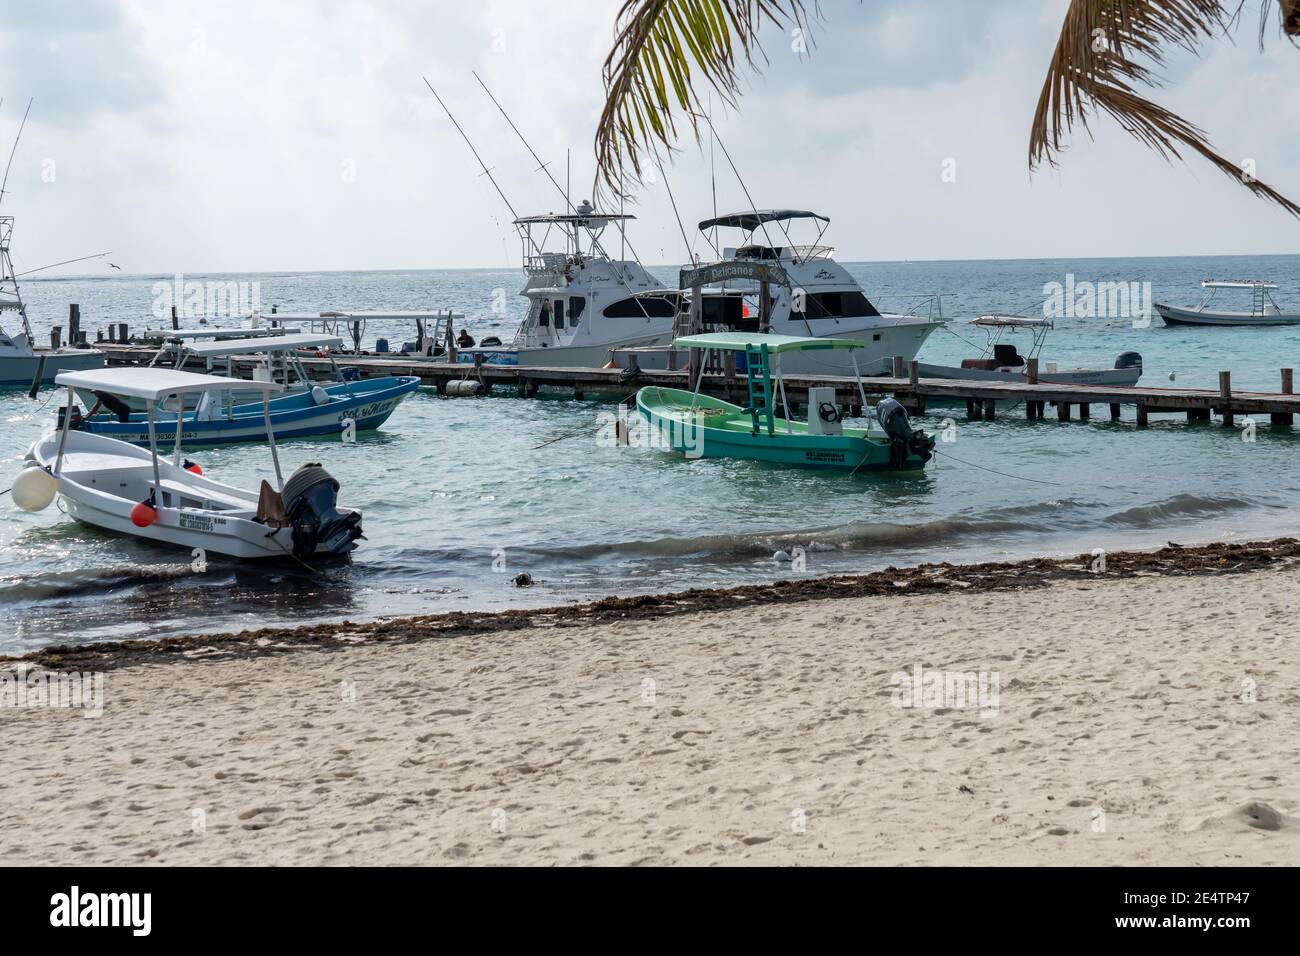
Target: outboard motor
1129, 360
903, 439
310, 499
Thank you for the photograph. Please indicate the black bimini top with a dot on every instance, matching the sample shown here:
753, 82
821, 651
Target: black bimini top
756, 217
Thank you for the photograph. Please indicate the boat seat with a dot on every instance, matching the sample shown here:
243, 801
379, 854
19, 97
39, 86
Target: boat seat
183, 495
986, 365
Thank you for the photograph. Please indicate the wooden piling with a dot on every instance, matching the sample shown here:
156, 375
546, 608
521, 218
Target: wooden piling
1085, 411
1031, 371
990, 409
1114, 411
898, 366
913, 372
1142, 416
1063, 411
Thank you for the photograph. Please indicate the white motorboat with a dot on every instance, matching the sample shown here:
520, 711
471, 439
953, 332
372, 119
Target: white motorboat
1002, 362
120, 487
20, 360
581, 302
1264, 310
821, 299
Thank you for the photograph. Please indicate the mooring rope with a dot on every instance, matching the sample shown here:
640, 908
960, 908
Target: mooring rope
993, 471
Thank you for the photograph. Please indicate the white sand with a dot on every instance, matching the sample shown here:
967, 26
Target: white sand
1121, 736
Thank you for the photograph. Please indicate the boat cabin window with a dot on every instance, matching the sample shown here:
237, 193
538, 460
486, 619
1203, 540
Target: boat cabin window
651, 306
576, 305
544, 317
758, 252
833, 305
559, 313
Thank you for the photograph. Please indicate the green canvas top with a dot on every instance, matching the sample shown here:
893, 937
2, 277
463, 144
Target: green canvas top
739, 341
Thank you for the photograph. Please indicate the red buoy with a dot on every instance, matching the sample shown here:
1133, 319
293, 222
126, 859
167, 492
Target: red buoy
143, 515
192, 466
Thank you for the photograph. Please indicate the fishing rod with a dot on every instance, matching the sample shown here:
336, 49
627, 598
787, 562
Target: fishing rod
65, 262
12, 152
544, 167
486, 171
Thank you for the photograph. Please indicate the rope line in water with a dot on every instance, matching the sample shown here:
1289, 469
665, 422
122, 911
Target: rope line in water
993, 471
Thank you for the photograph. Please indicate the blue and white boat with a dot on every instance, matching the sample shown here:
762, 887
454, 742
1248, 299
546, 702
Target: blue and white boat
223, 417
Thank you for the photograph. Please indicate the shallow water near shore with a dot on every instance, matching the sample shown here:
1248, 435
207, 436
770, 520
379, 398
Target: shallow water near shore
458, 498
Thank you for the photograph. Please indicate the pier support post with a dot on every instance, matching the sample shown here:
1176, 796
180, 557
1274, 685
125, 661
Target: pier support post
973, 410
1030, 410
1114, 411
176, 322
1063, 411
990, 409
1284, 418
898, 366
913, 372
1085, 411
1031, 371
1142, 416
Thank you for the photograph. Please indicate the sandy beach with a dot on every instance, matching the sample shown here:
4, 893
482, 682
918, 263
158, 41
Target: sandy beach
1118, 717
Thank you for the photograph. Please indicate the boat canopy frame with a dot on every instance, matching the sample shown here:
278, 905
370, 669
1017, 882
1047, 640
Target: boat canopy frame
1261, 293
154, 386
996, 326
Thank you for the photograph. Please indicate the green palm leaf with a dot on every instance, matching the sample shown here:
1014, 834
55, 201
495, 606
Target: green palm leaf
666, 53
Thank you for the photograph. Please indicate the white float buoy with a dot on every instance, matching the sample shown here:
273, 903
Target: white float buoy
34, 489
782, 556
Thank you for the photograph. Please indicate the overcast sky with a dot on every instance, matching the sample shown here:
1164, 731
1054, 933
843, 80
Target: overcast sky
297, 135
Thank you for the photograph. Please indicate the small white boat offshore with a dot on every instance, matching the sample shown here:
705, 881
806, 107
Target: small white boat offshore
1002, 362
1263, 310
581, 302
20, 359
120, 487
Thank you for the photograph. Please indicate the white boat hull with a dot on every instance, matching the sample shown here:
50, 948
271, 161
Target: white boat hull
19, 368
102, 479
562, 356
1173, 315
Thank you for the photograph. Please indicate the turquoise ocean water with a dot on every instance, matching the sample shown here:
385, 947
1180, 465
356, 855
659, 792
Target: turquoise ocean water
457, 497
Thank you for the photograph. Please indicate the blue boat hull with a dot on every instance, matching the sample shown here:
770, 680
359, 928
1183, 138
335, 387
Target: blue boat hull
366, 404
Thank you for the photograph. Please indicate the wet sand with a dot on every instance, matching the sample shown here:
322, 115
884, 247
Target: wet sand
1144, 715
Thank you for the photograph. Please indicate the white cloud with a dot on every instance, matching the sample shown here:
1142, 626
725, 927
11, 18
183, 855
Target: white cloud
298, 135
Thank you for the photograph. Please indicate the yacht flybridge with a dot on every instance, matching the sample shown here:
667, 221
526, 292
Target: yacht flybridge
582, 302
821, 299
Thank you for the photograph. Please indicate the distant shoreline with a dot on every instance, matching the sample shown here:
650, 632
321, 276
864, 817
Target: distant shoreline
1173, 560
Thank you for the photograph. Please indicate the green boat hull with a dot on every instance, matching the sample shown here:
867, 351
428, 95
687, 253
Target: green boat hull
718, 429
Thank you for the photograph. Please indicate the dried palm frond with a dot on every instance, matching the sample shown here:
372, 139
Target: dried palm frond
648, 73
1099, 61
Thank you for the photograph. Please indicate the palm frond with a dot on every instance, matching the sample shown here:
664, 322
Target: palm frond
664, 52
1102, 56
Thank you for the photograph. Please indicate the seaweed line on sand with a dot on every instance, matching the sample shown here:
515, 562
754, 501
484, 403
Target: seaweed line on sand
928, 579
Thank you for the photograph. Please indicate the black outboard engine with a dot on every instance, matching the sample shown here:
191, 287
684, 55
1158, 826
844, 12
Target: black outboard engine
1129, 360
903, 439
310, 499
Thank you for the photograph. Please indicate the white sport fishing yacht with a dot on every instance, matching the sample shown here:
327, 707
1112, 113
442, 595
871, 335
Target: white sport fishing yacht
19, 358
581, 302
822, 300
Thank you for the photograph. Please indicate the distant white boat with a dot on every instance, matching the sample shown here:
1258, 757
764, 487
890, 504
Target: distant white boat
1002, 361
19, 358
1264, 310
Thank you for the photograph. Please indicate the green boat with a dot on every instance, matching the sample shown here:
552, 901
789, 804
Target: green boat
699, 426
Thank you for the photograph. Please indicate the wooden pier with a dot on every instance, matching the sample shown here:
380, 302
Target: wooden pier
980, 399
